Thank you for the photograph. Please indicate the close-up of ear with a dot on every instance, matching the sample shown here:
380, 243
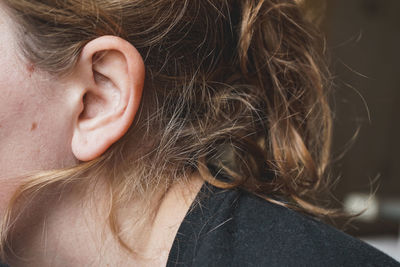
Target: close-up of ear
110, 73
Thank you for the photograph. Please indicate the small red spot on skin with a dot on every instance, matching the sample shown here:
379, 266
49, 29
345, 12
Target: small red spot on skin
34, 126
31, 68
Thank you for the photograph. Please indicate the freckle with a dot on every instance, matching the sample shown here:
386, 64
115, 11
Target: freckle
31, 68
34, 126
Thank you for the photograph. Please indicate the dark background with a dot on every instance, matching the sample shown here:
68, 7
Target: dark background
363, 38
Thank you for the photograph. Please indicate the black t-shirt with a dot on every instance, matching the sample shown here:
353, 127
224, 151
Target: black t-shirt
235, 228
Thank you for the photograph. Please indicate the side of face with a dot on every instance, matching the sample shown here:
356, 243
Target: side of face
35, 133
48, 123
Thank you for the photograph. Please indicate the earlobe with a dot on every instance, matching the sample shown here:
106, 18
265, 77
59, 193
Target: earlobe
110, 74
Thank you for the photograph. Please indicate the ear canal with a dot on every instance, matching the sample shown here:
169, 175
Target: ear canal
95, 102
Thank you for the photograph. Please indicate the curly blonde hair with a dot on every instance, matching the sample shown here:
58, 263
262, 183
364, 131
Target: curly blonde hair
235, 89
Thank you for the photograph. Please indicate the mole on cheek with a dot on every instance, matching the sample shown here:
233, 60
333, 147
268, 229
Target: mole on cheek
34, 126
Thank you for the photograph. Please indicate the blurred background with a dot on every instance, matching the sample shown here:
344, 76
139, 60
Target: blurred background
363, 38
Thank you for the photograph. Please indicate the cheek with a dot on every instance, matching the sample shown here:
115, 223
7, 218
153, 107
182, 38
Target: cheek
7, 189
33, 136
34, 133
30, 142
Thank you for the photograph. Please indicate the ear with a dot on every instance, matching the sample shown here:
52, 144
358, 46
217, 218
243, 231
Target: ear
109, 75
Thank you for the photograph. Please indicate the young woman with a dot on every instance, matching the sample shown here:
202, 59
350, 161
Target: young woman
165, 132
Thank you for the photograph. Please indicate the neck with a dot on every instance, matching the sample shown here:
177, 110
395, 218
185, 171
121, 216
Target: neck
75, 231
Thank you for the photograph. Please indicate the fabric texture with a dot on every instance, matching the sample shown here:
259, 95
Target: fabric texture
235, 228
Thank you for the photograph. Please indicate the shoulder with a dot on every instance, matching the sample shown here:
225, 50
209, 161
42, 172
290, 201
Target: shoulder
235, 228
294, 238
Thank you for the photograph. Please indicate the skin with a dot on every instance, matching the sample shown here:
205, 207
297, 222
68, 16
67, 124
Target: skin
33, 132
45, 124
